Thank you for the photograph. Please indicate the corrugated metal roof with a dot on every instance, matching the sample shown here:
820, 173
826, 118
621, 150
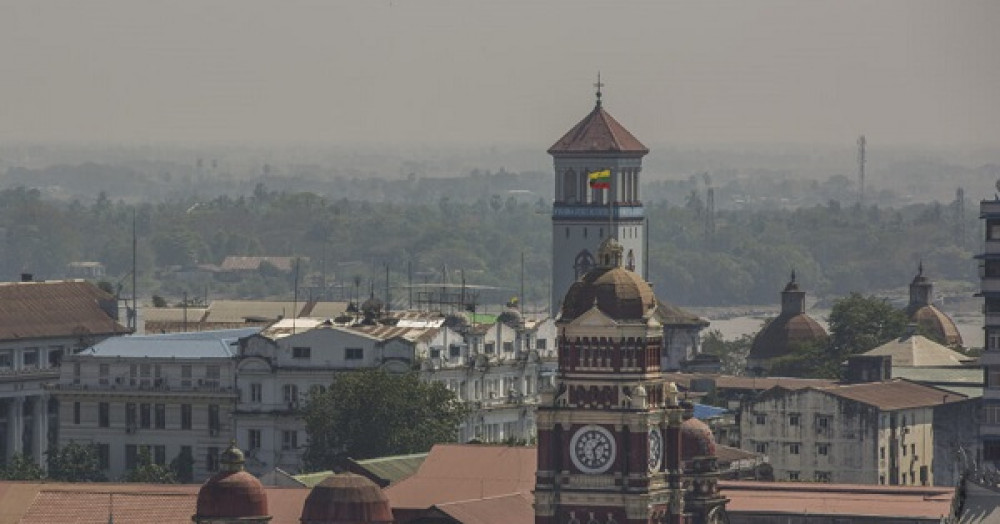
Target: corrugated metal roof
894, 394
217, 344
918, 350
65, 308
240, 310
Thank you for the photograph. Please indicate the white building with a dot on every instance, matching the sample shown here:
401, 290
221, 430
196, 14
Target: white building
172, 394
41, 324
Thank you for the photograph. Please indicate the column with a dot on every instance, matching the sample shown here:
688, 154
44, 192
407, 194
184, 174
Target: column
40, 426
15, 422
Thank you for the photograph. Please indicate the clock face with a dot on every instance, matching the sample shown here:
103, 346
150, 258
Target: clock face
655, 449
592, 449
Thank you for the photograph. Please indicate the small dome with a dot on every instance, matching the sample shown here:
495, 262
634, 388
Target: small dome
231, 493
346, 498
780, 336
618, 292
696, 440
511, 317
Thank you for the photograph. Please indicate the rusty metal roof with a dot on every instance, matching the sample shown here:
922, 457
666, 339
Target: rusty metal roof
894, 394
598, 133
63, 308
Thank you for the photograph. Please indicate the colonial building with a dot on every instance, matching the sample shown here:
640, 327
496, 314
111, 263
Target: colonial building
870, 433
173, 395
610, 432
791, 329
922, 312
41, 324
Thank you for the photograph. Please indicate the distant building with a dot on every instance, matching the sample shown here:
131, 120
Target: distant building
89, 270
238, 264
791, 329
989, 430
41, 324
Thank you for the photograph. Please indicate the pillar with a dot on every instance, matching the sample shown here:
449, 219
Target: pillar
40, 428
15, 423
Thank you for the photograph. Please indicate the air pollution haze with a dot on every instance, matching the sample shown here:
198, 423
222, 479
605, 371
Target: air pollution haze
511, 73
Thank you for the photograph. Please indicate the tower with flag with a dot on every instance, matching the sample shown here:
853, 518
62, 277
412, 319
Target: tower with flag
597, 167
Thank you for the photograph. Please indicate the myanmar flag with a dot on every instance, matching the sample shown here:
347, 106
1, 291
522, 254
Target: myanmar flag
600, 179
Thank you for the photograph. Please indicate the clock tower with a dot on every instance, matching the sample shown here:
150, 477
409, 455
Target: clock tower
585, 213
610, 430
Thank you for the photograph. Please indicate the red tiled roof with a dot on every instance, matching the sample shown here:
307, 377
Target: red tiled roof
598, 132
797, 498
513, 508
455, 472
64, 308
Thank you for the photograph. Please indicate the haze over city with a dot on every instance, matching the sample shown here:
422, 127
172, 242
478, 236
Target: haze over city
499, 73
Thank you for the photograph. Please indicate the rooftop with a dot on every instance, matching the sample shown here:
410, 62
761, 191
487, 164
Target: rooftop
55, 309
200, 344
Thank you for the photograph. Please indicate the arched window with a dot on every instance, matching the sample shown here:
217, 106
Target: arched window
630, 261
569, 186
584, 262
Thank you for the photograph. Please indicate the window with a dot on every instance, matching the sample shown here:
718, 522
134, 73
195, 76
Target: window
993, 377
991, 414
793, 475
76, 372
144, 416
145, 372
256, 393
824, 449
760, 418
76, 412
185, 416
160, 455
291, 394
540, 343
131, 456
822, 476
354, 353
289, 440
454, 350
160, 413
6, 359
103, 415
904, 450
761, 447
881, 453
508, 347
913, 449
301, 352
104, 456
435, 352
213, 419
793, 449
185, 375
130, 416
992, 229
212, 459
212, 375
823, 423
793, 419
30, 358
253, 439
104, 374
490, 348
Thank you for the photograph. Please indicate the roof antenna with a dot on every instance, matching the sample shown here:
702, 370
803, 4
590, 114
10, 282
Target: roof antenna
599, 85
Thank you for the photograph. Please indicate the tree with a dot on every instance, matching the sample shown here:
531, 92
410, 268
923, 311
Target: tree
147, 471
21, 467
859, 323
75, 463
183, 466
732, 353
372, 413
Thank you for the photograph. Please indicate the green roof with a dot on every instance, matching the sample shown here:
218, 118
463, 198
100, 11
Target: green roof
392, 469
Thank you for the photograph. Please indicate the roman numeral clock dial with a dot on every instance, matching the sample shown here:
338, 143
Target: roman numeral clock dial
592, 449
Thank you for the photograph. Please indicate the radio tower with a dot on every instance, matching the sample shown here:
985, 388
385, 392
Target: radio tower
861, 169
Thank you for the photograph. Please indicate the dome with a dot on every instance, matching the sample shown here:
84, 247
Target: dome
346, 498
232, 492
780, 336
696, 440
618, 292
936, 324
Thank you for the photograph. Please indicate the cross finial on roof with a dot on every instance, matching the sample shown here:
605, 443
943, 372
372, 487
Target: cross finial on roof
793, 276
599, 85
920, 268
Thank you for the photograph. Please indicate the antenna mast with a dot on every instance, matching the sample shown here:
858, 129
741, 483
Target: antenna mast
862, 143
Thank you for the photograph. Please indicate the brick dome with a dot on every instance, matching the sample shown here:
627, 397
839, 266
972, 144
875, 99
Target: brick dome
785, 333
617, 292
346, 498
696, 440
232, 493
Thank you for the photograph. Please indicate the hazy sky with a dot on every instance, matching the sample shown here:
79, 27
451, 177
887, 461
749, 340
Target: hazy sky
499, 72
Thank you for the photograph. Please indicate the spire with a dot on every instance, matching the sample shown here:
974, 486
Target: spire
599, 85
920, 268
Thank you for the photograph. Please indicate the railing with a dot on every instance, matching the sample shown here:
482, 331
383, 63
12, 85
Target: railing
7, 371
162, 387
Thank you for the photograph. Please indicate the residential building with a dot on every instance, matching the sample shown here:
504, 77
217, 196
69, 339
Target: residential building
989, 430
42, 324
868, 433
172, 394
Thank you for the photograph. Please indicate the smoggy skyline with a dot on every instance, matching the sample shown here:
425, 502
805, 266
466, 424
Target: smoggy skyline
503, 73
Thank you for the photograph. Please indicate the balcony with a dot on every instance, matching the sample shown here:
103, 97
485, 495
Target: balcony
148, 387
27, 372
577, 211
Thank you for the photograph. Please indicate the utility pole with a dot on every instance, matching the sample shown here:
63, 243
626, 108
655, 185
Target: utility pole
862, 143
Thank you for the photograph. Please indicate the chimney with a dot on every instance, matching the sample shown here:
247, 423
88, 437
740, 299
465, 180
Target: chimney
27, 277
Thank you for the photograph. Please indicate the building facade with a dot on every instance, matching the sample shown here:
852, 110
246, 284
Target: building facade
989, 429
172, 395
41, 325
